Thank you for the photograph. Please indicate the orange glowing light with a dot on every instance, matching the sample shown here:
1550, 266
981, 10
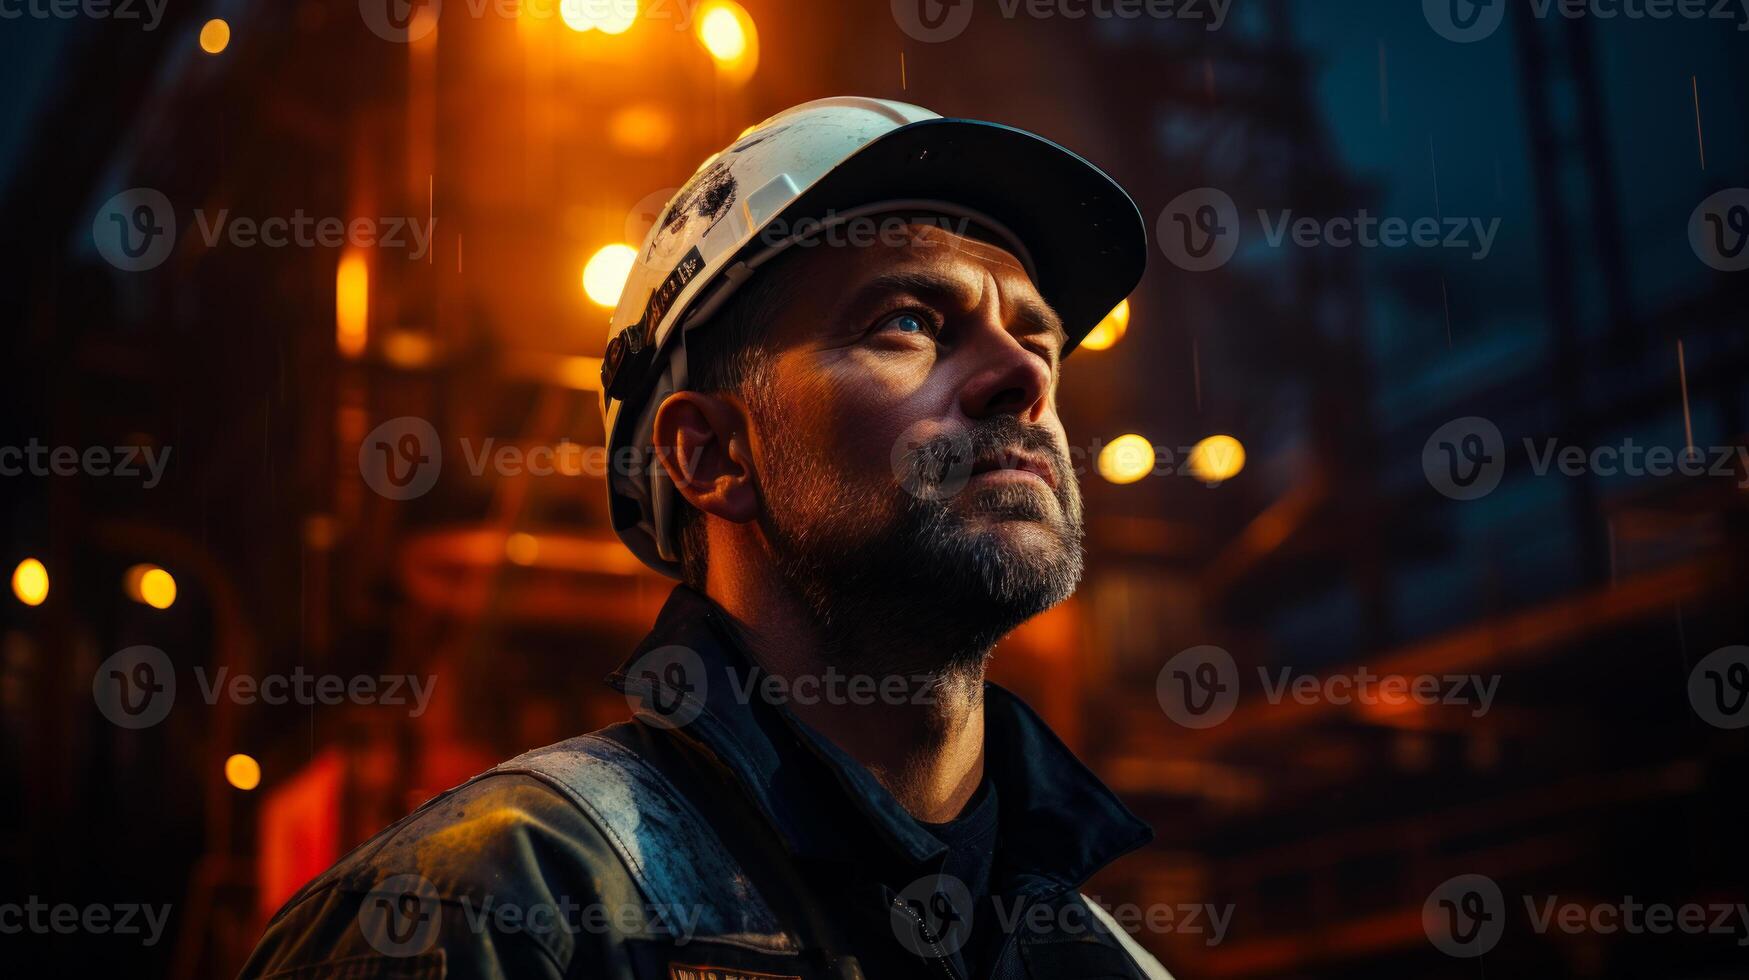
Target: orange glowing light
150, 585
1126, 459
522, 548
605, 274
30, 582
351, 304
242, 771
1217, 458
726, 30
606, 16
215, 36
1110, 330
644, 129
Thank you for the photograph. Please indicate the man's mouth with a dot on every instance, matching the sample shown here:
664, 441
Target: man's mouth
1014, 464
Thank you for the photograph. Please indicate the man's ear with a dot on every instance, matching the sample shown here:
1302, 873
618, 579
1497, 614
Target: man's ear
701, 441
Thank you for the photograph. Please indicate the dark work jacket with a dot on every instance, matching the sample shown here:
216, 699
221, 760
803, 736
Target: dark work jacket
715, 837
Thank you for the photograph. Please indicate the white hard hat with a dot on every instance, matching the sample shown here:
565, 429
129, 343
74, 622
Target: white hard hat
1078, 234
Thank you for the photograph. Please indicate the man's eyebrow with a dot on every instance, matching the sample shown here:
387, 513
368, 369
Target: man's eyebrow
1029, 315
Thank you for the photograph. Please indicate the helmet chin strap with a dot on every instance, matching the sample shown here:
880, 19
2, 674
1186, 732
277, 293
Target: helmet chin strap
663, 495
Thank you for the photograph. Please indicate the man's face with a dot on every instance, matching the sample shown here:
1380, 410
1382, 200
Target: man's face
906, 437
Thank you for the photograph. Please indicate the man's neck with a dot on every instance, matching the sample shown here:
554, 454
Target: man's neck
921, 734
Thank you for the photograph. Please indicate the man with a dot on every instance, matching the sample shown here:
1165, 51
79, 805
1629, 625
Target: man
831, 410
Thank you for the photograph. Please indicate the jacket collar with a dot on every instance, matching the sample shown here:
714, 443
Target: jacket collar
1057, 825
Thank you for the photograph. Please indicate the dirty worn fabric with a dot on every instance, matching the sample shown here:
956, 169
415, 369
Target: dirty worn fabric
721, 840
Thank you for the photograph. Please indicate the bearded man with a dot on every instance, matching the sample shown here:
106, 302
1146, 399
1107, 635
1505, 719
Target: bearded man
830, 400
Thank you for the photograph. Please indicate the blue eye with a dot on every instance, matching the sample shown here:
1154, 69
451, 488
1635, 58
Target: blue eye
909, 323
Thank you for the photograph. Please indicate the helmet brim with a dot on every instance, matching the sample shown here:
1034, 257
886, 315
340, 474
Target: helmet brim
1086, 238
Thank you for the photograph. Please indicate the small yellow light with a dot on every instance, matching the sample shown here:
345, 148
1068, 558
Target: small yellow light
30, 582
215, 35
605, 273
522, 548
606, 16
726, 30
242, 771
351, 304
1217, 458
1109, 330
150, 585
1126, 459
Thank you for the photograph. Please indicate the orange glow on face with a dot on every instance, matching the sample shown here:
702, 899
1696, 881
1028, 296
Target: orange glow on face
351, 304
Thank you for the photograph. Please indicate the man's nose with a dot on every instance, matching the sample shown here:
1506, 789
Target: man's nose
1008, 378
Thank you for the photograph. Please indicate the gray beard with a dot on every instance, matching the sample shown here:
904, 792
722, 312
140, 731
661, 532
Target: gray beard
898, 581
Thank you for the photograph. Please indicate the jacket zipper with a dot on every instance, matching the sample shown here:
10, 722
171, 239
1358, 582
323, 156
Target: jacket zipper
941, 958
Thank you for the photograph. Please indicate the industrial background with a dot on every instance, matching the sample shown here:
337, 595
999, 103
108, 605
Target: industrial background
1284, 495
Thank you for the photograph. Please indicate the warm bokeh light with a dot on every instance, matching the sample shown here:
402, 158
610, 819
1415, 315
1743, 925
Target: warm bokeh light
726, 30
606, 16
605, 274
522, 548
1126, 459
641, 128
215, 35
150, 585
30, 582
242, 771
1109, 330
351, 304
1217, 458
